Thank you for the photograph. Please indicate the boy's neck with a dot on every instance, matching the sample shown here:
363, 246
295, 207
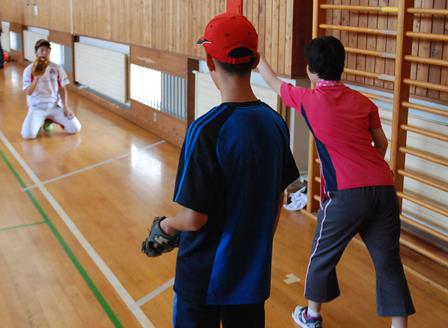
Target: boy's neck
236, 89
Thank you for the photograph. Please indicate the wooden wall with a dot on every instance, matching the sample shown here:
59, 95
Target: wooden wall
422, 48
11, 11
176, 25
284, 26
171, 25
52, 14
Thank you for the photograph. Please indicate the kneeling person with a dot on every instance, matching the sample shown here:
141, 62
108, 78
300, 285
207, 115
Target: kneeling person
45, 84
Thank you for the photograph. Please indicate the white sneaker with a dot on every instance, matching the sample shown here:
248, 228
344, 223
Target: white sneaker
301, 318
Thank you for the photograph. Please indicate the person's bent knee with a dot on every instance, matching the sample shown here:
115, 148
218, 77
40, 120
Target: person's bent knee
29, 135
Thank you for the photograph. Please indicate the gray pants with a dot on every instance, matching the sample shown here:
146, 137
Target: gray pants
373, 213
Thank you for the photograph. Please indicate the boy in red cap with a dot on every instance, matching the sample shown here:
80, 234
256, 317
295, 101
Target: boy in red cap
234, 166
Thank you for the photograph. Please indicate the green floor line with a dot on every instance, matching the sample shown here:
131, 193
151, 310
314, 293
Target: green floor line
20, 226
106, 307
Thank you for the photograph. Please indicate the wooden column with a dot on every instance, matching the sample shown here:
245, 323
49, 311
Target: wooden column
192, 65
401, 91
18, 56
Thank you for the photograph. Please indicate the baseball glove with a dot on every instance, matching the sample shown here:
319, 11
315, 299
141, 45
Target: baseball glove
158, 242
39, 66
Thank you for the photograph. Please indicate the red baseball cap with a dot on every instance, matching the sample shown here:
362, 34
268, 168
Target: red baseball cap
227, 32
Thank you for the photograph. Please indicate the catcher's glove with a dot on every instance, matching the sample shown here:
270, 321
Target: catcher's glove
158, 241
39, 66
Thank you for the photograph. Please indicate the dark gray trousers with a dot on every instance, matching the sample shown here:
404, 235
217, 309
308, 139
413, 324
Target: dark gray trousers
373, 213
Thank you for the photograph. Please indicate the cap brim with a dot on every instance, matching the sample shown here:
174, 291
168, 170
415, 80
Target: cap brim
202, 41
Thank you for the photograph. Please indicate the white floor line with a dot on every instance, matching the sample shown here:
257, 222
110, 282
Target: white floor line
102, 266
87, 168
156, 292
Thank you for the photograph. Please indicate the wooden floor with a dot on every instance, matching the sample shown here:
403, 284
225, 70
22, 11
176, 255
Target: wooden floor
106, 184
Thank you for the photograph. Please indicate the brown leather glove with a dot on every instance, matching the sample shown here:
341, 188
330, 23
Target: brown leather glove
39, 66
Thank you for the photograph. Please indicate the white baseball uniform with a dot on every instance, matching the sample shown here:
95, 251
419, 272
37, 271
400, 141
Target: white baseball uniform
45, 102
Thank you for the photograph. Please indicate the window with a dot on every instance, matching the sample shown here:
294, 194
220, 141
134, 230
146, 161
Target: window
161, 91
103, 71
57, 53
146, 86
15, 41
5, 37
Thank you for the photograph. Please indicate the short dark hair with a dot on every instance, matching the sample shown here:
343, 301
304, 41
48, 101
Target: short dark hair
326, 57
42, 43
239, 69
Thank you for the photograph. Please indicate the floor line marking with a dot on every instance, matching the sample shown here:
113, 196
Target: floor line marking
156, 292
102, 266
20, 226
87, 168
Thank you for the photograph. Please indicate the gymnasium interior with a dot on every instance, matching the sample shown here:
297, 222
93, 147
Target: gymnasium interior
74, 208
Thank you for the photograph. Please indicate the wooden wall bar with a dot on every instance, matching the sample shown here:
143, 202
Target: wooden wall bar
422, 48
408, 49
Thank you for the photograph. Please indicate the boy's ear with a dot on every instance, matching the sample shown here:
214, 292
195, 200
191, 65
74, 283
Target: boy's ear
210, 63
256, 61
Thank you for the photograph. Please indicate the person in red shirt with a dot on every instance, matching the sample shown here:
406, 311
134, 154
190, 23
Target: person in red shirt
357, 189
47, 97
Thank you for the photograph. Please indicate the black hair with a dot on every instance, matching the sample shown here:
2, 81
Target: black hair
326, 57
42, 43
239, 69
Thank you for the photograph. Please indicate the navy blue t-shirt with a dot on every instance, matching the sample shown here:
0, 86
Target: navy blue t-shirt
234, 164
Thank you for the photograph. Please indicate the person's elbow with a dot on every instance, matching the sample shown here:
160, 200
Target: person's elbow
382, 147
382, 144
379, 139
195, 220
197, 223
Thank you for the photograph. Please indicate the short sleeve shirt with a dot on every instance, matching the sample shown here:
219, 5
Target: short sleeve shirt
341, 120
47, 89
235, 162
